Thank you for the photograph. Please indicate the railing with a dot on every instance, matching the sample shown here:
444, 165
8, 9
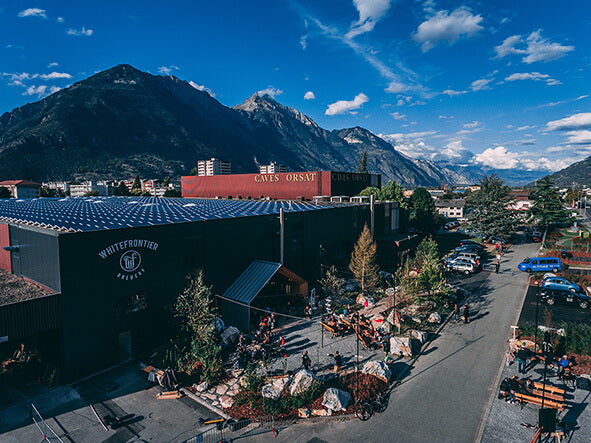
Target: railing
230, 430
43, 426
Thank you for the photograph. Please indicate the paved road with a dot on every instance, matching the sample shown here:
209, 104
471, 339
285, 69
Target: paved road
447, 392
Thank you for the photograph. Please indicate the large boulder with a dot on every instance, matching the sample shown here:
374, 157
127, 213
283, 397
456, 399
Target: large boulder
226, 401
230, 335
302, 381
321, 412
378, 369
434, 318
275, 388
336, 400
401, 346
421, 336
303, 413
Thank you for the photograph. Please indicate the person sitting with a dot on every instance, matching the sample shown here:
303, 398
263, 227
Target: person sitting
562, 365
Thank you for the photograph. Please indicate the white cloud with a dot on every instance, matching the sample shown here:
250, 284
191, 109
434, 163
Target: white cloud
304, 41
270, 91
309, 96
60, 20
396, 87
36, 90
33, 12
478, 85
498, 158
80, 32
525, 128
453, 93
398, 116
579, 137
54, 89
370, 12
342, 106
167, 70
472, 125
534, 48
536, 76
202, 88
572, 123
444, 26
52, 64
55, 75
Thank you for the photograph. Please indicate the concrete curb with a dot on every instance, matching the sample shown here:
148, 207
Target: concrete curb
497, 379
203, 403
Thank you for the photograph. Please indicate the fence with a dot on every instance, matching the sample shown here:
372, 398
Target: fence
233, 430
43, 426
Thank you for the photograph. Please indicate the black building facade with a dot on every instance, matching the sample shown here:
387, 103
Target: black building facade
114, 288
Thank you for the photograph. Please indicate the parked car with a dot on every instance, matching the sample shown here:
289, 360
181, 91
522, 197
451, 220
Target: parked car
454, 257
540, 264
471, 255
469, 242
564, 296
468, 248
462, 265
554, 282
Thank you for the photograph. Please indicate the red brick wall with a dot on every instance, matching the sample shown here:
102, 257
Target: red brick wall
4, 241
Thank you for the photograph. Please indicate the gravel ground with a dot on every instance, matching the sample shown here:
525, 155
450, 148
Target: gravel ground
505, 419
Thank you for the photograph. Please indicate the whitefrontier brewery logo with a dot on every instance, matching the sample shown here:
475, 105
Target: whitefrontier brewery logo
130, 260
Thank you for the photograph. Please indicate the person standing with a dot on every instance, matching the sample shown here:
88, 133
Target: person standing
338, 361
306, 362
497, 266
456, 312
466, 314
522, 358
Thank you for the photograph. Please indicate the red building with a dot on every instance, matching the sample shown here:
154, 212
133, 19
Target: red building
280, 186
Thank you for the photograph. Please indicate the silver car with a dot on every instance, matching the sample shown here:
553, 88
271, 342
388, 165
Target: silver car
465, 266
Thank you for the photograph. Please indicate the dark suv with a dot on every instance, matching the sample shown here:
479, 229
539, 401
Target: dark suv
564, 296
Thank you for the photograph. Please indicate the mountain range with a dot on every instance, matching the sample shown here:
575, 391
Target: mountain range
122, 122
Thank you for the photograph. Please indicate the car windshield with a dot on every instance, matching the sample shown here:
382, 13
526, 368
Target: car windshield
527, 260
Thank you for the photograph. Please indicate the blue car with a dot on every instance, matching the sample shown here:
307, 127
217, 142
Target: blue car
554, 282
540, 264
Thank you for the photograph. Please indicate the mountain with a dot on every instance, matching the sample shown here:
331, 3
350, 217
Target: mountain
122, 122
578, 173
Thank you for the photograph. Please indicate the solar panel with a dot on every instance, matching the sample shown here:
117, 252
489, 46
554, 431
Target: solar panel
102, 213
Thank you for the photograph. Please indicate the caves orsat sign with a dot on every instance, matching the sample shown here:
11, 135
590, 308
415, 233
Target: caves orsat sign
130, 258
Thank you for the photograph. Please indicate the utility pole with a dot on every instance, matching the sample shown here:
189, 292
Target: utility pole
281, 235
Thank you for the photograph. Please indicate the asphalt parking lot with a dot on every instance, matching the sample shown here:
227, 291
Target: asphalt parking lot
559, 313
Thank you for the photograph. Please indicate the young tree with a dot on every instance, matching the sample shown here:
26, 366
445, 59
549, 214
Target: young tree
172, 193
194, 171
331, 284
137, 184
121, 189
363, 261
422, 211
490, 215
547, 207
198, 341
165, 182
362, 168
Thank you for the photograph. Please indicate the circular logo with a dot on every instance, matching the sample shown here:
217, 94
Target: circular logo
130, 261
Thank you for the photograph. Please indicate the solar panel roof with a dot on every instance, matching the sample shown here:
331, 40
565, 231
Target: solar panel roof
101, 213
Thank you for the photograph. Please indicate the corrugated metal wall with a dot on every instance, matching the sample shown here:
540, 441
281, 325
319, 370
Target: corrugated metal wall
37, 257
4, 241
23, 319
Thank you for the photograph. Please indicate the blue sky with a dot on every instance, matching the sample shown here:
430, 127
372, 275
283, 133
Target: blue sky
501, 84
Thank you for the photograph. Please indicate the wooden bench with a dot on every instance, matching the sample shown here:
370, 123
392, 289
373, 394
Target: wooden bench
538, 401
331, 329
548, 388
549, 396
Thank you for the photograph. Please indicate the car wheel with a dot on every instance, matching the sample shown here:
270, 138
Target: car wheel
555, 270
528, 271
466, 272
583, 305
550, 301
